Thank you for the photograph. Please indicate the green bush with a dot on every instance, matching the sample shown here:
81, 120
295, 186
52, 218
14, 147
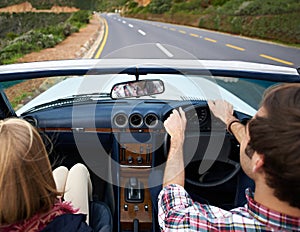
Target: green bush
271, 7
47, 4
178, 1
282, 27
232, 7
35, 40
132, 5
55, 30
29, 42
139, 10
218, 2
236, 24
11, 35
191, 7
257, 7
69, 29
23, 22
81, 17
159, 6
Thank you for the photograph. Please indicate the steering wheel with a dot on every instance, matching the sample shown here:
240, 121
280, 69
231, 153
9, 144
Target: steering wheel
222, 167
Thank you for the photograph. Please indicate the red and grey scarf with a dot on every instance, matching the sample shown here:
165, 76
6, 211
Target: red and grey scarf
39, 221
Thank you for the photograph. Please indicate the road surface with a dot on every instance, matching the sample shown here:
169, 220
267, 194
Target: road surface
133, 38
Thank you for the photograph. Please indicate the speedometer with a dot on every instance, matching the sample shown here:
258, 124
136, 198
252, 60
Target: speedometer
196, 116
202, 115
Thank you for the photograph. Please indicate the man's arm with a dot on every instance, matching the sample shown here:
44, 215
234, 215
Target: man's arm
175, 127
224, 111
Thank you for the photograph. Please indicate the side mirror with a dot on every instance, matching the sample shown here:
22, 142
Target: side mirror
137, 89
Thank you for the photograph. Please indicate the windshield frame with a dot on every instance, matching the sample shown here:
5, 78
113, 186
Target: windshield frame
146, 68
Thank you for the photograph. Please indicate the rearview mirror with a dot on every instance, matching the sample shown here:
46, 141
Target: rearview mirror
137, 89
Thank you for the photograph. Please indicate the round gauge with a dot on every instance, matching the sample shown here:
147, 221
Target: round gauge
120, 120
136, 120
151, 120
196, 116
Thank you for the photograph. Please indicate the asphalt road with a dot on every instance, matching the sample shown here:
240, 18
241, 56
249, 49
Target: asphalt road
132, 38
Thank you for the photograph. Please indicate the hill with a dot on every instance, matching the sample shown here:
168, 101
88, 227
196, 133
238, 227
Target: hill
26, 32
276, 20
48, 4
27, 7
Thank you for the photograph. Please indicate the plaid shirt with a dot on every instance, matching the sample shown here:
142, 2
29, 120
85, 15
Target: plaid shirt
177, 211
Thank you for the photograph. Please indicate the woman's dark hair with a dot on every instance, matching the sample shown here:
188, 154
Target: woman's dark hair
277, 137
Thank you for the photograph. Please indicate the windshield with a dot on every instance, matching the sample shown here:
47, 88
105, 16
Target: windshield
244, 94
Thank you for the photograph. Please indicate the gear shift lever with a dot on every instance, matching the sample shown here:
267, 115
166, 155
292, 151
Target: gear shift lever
133, 181
134, 190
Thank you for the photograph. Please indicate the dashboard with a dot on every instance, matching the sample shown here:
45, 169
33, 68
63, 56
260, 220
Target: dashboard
133, 114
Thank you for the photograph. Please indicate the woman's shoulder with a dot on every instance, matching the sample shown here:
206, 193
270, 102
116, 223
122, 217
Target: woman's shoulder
68, 223
41, 220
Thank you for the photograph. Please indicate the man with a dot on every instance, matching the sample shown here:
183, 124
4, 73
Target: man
269, 154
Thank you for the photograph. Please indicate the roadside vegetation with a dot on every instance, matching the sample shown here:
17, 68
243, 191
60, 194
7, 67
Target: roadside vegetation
276, 20
27, 32
47, 4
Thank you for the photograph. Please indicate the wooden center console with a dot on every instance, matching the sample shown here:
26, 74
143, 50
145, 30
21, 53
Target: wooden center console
135, 199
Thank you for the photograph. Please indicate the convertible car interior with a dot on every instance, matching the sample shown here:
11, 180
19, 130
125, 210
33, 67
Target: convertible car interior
110, 117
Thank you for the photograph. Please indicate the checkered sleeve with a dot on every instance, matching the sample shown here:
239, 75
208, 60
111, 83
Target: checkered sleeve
177, 211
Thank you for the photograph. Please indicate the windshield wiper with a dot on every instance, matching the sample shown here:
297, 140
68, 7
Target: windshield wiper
90, 95
68, 101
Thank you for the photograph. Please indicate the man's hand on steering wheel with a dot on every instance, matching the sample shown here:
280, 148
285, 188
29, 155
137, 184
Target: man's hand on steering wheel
222, 110
175, 126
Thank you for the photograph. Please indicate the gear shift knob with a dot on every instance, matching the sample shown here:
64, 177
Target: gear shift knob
133, 181
134, 190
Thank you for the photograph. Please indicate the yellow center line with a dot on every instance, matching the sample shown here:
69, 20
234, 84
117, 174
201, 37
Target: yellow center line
210, 40
276, 59
172, 29
183, 32
103, 42
235, 47
194, 35
165, 27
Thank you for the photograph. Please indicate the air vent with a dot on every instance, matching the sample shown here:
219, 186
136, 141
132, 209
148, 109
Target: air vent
151, 120
136, 120
31, 120
120, 120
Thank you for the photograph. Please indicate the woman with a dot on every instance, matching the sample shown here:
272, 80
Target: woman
29, 199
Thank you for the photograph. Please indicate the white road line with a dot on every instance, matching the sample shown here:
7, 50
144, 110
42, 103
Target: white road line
124, 21
119, 20
164, 50
130, 25
142, 32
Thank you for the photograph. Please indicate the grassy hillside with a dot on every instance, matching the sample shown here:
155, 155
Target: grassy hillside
277, 20
47, 4
27, 32
17, 24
